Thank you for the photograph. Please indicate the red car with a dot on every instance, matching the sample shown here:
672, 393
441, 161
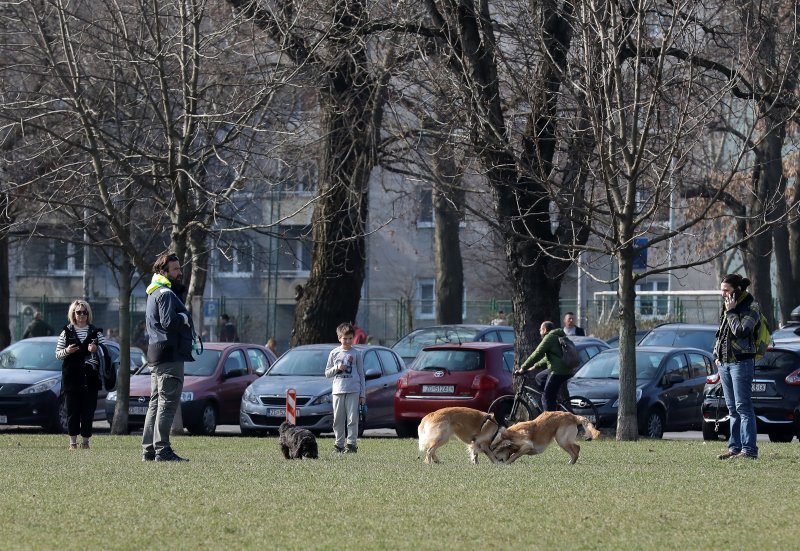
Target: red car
471, 374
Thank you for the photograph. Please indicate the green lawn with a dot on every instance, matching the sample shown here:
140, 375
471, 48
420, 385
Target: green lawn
239, 493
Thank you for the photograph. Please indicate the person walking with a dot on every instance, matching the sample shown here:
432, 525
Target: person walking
227, 332
80, 380
170, 333
37, 327
570, 329
548, 355
734, 354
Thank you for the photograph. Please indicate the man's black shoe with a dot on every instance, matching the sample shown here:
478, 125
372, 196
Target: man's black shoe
170, 456
149, 456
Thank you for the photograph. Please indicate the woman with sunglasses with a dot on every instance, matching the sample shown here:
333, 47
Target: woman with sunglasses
80, 379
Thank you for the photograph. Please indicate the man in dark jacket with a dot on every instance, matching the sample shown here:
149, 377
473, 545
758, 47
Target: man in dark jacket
548, 355
169, 333
37, 328
227, 332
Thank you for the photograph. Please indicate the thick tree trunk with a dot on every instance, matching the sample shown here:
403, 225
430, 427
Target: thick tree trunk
627, 419
5, 329
448, 202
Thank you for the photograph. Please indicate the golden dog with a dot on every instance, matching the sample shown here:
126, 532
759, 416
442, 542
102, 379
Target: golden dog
475, 428
533, 437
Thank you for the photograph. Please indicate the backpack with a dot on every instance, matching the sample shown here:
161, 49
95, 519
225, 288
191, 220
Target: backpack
762, 337
569, 354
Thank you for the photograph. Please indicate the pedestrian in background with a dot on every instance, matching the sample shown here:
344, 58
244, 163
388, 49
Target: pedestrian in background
170, 333
80, 380
227, 331
272, 344
37, 327
570, 329
500, 319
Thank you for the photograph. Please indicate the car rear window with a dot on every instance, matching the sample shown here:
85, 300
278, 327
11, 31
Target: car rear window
411, 344
450, 360
703, 339
778, 361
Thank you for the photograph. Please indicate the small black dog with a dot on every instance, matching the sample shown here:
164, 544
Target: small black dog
297, 443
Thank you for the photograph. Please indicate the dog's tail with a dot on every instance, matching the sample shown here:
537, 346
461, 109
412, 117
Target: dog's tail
422, 432
588, 427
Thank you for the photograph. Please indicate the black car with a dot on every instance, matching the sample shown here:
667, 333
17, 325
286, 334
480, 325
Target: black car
685, 335
776, 397
789, 333
409, 346
30, 384
669, 388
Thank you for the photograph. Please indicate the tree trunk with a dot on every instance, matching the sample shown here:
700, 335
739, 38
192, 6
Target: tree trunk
119, 424
5, 328
448, 203
627, 419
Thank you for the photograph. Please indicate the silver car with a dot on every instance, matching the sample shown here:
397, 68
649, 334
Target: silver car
302, 368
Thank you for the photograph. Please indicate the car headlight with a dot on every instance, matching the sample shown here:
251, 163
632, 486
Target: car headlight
250, 396
42, 386
111, 396
324, 399
638, 397
187, 396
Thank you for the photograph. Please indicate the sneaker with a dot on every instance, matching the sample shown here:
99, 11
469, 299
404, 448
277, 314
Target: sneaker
728, 454
337, 449
351, 448
149, 456
169, 455
744, 455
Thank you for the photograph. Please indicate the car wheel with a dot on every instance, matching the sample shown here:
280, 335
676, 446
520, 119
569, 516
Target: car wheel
59, 423
208, 421
709, 433
783, 434
655, 424
407, 429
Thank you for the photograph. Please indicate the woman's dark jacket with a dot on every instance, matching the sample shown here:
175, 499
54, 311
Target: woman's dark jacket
75, 373
735, 338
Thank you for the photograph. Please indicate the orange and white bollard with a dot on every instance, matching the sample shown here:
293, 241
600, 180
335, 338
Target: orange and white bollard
291, 402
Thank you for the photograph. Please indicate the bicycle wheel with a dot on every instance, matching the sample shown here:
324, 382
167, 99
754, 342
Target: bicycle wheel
580, 405
506, 412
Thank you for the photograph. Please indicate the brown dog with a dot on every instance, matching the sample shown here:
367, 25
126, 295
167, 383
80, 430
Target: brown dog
475, 428
533, 437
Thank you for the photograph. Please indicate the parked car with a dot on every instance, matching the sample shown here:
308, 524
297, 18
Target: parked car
471, 374
30, 384
613, 342
212, 388
138, 358
669, 388
789, 333
589, 347
689, 335
776, 397
409, 346
263, 406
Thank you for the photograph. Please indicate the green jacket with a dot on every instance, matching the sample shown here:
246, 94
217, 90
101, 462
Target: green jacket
548, 354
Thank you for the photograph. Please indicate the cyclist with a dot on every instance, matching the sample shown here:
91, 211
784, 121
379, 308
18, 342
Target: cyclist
548, 355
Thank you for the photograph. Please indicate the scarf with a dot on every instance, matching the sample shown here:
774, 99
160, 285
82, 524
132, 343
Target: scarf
157, 282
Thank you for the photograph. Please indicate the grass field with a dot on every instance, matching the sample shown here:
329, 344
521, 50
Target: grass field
239, 493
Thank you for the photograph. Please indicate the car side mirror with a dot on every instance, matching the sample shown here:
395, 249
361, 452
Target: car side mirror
673, 379
372, 373
261, 370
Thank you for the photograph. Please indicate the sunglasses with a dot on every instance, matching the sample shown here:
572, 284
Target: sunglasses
81, 313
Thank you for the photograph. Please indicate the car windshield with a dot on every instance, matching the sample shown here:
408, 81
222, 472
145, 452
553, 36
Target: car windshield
703, 339
203, 365
449, 360
410, 345
606, 366
30, 355
308, 363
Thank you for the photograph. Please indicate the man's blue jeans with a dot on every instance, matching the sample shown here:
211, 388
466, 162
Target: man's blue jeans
737, 381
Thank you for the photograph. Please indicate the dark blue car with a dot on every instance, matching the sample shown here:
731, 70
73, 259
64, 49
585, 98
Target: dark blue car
669, 388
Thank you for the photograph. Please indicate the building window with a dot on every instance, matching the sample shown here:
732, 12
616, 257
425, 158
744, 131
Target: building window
425, 204
52, 257
236, 262
426, 298
652, 306
294, 251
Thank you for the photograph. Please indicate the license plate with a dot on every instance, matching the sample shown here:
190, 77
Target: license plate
3, 419
759, 387
137, 410
438, 389
276, 412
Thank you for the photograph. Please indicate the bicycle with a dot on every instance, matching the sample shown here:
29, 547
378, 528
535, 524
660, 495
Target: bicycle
526, 405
